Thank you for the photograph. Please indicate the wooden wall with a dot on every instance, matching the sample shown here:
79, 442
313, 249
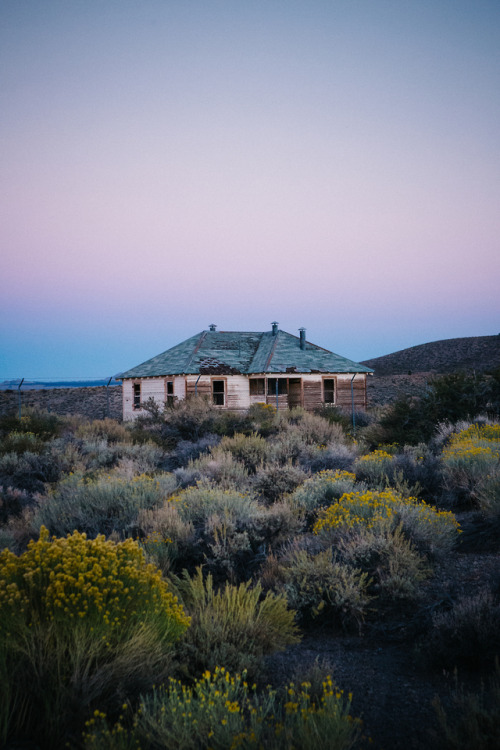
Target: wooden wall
238, 391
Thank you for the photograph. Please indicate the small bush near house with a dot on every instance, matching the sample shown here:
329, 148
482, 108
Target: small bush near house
235, 626
263, 419
220, 710
197, 504
251, 450
104, 429
83, 622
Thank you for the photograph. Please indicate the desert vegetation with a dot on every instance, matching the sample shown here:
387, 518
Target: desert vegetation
173, 582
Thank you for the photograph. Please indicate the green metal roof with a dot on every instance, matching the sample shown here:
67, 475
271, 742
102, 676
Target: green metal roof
233, 352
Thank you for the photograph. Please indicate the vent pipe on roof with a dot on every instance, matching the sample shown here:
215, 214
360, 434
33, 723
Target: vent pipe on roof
302, 332
275, 328
212, 327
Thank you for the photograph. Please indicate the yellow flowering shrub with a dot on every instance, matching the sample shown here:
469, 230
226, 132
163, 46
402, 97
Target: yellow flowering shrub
374, 467
470, 457
429, 528
222, 711
87, 580
76, 616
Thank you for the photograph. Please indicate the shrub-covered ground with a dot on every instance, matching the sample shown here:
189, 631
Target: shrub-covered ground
206, 579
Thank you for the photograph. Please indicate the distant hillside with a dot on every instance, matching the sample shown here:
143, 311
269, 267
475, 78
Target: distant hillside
439, 357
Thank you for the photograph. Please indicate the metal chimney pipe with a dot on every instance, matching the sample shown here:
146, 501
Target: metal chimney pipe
275, 328
212, 327
302, 332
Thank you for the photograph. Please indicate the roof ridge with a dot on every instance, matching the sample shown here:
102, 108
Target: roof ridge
195, 350
273, 349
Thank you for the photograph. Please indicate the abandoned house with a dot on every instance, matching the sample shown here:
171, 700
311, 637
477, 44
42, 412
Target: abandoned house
237, 369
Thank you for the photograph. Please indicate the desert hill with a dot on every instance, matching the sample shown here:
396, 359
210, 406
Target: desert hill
477, 353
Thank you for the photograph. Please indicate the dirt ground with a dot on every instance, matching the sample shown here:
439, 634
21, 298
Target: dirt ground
385, 668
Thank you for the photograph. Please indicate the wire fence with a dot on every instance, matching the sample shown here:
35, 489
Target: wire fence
94, 398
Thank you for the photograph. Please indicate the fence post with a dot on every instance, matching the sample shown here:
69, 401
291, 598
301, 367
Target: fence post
107, 396
19, 396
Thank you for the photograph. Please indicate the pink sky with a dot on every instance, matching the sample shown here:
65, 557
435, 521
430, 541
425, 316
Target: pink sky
169, 164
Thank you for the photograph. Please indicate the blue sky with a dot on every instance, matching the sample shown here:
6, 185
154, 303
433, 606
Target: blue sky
169, 164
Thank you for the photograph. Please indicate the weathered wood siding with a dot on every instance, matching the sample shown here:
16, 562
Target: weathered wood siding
343, 393
154, 388
313, 391
237, 391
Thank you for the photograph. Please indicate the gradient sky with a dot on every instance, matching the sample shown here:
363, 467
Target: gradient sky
166, 164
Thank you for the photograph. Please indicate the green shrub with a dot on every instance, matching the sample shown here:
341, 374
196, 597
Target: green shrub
322, 489
236, 625
223, 528
319, 585
251, 450
188, 419
275, 525
29, 471
218, 467
39, 423
168, 539
395, 567
332, 456
274, 480
374, 468
101, 506
420, 469
21, 442
313, 430
197, 504
104, 429
81, 621
221, 711
263, 418
487, 494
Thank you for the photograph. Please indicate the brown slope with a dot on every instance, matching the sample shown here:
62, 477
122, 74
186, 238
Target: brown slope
477, 353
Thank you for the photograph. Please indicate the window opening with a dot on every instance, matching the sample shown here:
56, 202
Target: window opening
137, 395
170, 392
257, 387
329, 390
282, 386
218, 392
